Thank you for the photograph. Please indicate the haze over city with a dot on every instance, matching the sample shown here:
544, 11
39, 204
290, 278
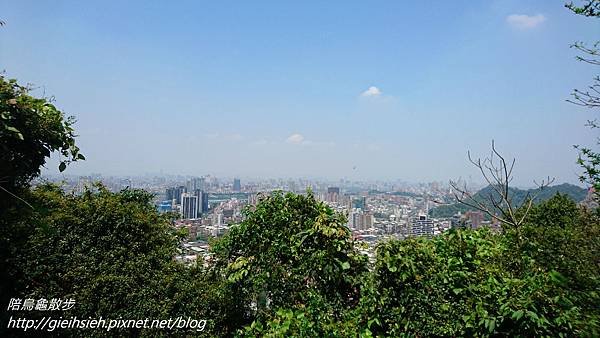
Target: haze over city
351, 90
300, 168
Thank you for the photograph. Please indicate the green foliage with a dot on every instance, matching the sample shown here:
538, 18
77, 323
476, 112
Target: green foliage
476, 283
589, 160
561, 236
290, 248
311, 320
292, 269
97, 238
431, 287
111, 252
30, 130
468, 283
587, 8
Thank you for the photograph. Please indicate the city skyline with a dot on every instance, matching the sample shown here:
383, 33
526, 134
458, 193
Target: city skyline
355, 91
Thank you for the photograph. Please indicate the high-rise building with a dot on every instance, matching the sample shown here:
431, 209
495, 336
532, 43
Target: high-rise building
357, 220
189, 206
175, 193
369, 220
202, 201
333, 194
237, 186
170, 194
360, 220
195, 183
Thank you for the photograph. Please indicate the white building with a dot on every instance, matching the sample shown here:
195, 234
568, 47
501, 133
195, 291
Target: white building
189, 206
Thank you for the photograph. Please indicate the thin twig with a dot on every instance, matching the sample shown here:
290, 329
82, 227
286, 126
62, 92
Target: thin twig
17, 197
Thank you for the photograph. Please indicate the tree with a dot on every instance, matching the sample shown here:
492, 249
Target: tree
113, 254
30, 130
291, 251
539, 281
562, 236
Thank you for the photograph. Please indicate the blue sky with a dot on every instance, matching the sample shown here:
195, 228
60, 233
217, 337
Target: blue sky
399, 90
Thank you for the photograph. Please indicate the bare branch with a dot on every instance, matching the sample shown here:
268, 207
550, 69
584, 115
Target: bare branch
17, 197
497, 172
467, 199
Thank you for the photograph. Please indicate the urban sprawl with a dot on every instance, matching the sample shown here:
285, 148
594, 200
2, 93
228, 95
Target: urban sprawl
207, 206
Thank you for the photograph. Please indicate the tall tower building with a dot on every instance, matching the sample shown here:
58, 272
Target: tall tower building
202, 201
237, 186
189, 206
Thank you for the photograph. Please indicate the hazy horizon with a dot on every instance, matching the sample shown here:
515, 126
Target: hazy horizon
352, 90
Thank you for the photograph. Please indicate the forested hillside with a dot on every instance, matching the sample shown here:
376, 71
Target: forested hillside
519, 196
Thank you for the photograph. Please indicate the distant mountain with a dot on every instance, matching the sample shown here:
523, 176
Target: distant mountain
518, 196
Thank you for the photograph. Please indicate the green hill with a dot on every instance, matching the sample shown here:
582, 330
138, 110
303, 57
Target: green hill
518, 196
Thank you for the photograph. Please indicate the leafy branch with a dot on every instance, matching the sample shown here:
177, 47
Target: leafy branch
589, 8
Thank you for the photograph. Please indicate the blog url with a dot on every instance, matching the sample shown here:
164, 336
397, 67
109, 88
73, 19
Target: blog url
50, 324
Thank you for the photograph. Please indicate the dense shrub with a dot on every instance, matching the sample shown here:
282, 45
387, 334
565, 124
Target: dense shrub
539, 280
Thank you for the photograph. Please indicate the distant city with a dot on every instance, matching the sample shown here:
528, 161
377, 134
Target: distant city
207, 206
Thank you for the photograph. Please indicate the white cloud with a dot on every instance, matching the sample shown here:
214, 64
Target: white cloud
371, 92
295, 139
523, 21
298, 139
